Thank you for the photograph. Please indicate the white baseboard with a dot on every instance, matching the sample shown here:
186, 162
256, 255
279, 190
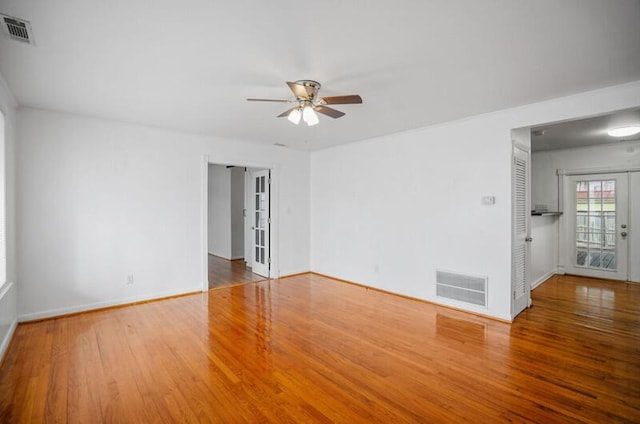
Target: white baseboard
7, 339
8, 313
542, 279
105, 304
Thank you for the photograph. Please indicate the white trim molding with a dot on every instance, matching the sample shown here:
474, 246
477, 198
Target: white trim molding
8, 300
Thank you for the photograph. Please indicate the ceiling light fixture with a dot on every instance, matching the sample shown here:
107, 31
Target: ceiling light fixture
624, 131
294, 116
309, 115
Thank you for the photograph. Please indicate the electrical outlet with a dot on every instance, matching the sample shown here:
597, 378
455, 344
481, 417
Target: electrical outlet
130, 280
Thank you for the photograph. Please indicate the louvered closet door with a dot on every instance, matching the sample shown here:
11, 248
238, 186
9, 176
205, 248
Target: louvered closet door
520, 221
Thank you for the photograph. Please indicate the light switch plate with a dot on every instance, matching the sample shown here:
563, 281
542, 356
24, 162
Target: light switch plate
488, 200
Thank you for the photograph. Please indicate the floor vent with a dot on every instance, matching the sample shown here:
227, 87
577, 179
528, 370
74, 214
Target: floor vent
463, 288
17, 29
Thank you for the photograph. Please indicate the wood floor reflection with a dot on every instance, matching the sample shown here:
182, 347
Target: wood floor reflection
311, 349
224, 273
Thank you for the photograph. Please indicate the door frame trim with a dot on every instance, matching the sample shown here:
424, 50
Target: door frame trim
205, 160
563, 195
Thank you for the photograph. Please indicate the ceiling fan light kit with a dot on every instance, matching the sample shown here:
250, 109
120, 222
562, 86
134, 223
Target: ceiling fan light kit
294, 116
309, 104
309, 116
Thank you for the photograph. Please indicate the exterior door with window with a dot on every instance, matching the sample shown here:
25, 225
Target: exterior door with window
598, 226
260, 226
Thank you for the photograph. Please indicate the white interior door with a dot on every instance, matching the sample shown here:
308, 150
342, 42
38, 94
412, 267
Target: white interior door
521, 219
260, 226
634, 227
598, 226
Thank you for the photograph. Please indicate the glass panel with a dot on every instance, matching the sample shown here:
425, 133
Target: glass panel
595, 205
262, 255
610, 221
257, 237
582, 221
595, 189
595, 224
262, 190
609, 260
258, 185
257, 259
595, 240
257, 220
262, 243
610, 240
581, 239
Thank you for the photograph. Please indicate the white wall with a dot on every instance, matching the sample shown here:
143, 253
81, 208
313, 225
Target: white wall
544, 249
219, 211
8, 288
225, 212
544, 166
100, 200
390, 211
237, 213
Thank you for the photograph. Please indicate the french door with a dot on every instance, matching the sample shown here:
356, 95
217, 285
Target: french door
261, 257
598, 225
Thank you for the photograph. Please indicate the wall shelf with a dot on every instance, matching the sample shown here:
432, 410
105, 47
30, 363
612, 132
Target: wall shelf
545, 213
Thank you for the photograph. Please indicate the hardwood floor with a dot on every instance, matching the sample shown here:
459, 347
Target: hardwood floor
223, 273
311, 349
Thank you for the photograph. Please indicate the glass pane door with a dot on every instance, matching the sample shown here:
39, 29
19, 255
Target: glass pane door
597, 226
260, 263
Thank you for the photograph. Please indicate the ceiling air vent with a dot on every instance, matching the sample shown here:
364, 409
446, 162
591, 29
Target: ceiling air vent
17, 29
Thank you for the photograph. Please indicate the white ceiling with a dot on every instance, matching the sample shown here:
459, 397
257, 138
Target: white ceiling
584, 132
189, 65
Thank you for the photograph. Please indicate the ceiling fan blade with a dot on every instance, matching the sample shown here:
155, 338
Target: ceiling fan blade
299, 90
340, 100
328, 111
286, 112
270, 100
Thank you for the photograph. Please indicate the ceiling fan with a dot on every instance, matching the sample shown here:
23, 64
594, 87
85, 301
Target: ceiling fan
308, 103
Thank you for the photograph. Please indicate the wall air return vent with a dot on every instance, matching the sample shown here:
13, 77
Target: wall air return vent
17, 29
463, 288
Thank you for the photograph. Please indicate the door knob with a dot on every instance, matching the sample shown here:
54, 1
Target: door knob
528, 239
623, 234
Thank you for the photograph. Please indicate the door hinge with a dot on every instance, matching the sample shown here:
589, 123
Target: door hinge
514, 295
269, 220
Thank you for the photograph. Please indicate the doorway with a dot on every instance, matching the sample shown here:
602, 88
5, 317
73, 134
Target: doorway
585, 186
233, 255
600, 237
